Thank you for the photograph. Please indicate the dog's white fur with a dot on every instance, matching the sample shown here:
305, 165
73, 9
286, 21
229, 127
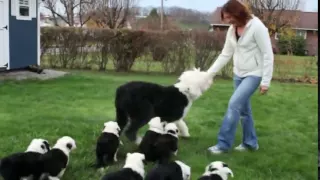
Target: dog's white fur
222, 171
192, 83
37, 145
173, 127
134, 161
111, 127
62, 144
156, 125
186, 170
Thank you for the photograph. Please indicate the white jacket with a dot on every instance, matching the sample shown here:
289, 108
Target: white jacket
252, 54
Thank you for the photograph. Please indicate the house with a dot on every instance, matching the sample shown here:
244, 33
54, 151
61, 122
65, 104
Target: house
19, 34
305, 24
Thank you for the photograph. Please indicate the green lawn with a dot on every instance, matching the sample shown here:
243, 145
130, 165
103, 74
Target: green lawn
79, 104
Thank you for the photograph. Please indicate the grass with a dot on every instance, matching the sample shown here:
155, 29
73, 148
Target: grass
78, 104
284, 66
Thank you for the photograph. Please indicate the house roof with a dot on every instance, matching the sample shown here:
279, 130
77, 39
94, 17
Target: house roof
303, 20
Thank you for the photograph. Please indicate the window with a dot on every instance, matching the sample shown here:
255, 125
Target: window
23, 10
301, 33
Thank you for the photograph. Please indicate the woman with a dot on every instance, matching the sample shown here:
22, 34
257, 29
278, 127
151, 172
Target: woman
248, 42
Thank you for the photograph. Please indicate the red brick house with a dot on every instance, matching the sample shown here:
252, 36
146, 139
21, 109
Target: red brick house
306, 25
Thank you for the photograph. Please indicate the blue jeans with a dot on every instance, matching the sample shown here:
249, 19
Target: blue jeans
239, 106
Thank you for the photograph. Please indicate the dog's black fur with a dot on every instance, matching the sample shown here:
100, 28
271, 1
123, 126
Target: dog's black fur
141, 101
147, 146
107, 146
166, 171
165, 146
21, 164
123, 174
51, 164
210, 177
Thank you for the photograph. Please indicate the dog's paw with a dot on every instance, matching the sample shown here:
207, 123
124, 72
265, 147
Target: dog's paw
138, 140
185, 135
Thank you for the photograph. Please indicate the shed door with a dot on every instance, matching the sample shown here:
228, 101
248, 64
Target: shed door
4, 33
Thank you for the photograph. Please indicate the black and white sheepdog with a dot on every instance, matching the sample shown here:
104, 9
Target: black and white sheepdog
107, 144
167, 144
133, 169
137, 102
23, 164
216, 170
53, 164
174, 170
147, 145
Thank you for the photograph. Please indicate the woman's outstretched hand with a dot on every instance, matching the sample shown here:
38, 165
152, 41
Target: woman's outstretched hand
264, 89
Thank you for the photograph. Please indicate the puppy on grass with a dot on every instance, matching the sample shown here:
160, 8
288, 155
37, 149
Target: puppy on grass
167, 143
23, 164
216, 170
146, 147
133, 169
108, 145
174, 170
53, 164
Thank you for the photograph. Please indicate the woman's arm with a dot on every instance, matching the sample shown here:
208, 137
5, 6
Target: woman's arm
225, 55
263, 40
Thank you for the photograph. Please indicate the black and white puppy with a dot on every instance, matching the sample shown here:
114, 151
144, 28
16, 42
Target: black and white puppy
108, 145
167, 143
54, 163
146, 147
137, 102
216, 170
133, 169
174, 170
21, 165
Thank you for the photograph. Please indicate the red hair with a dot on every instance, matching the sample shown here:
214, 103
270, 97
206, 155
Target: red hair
237, 10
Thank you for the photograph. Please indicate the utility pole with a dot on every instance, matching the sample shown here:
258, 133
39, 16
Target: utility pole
161, 16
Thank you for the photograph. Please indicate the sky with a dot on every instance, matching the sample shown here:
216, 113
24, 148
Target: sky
201, 5
209, 5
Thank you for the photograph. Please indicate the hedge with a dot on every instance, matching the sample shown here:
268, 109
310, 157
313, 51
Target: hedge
174, 50
167, 52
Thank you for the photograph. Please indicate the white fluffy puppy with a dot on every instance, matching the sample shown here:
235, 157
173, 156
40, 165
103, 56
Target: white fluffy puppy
54, 163
133, 169
216, 170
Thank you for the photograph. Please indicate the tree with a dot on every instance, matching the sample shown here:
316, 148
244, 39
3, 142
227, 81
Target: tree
276, 14
112, 14
71, 10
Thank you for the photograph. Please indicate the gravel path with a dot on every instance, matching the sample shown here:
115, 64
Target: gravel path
23, 74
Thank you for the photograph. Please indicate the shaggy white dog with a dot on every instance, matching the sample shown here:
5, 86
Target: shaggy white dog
137, 102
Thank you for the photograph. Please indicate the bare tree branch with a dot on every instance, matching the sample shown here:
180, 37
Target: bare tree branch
112, 13
71, 9
276, 14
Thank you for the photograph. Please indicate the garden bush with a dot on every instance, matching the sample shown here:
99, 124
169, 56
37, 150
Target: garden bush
154, 51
